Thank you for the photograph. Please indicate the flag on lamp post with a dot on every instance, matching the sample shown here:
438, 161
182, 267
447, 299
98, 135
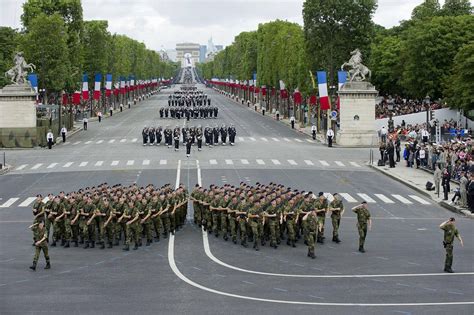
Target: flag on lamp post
122, 85
108, 84
323, 90
297, 97
283, 92
85, 87
97, 82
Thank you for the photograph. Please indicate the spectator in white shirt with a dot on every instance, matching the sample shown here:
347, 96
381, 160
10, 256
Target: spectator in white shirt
330, 135
64, 133
50, 139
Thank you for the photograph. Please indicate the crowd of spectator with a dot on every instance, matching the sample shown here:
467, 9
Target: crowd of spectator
401, 106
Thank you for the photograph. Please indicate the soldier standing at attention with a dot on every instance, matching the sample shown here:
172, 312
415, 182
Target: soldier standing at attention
311, 220
363, 223
41, 244
450, 231
337, 209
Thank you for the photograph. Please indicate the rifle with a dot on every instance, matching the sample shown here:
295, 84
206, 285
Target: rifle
112, 214
95, 214
34, 224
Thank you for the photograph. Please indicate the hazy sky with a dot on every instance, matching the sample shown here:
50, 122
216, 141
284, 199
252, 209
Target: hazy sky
163, 23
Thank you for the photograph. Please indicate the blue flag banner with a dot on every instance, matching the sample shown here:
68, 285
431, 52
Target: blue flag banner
33, 78
342, 78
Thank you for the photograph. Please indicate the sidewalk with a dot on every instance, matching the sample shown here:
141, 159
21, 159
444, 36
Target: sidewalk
416, 179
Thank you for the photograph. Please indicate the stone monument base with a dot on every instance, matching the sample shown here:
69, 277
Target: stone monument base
357, 138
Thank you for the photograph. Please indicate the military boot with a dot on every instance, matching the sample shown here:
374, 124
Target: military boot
140, 242
86, 244
136, 246
116, 243
53, 244
288, 242
361, 249
63, 242
446, 269
110, 245
226, 238
148, 242
337, 240
67, 245
126, 247
92, 244
293, 244
76, 244
33, 267
234, 240
102, 246
48, 265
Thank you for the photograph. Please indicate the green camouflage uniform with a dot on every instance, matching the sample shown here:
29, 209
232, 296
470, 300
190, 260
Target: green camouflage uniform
450, 231
363, 216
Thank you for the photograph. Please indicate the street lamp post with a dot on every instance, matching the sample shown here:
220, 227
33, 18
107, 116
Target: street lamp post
391, 128
427, 102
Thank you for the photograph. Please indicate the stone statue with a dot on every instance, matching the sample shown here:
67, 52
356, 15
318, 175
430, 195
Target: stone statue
17, 74
358, 71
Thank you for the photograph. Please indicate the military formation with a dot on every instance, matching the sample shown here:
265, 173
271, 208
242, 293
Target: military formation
272, 213
106, 216
189, 104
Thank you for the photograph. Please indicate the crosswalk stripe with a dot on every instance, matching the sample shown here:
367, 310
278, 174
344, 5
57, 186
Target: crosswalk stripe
229, 162
83, 164
264, 139
112, 141
52, 165
66, 143
100, 141
402, 199
130, 162
354, 164
146, 162
384, 198
292, 162
68, 164
329, 196
212, 162
19, 168
366, 198
163, 162
9, 202
244, 161
252, 139
287, 140
298, 140
134, 140
260, 162
310, 141
324, 163
241, 138
276, 140
419, 199
114, 163
308, 162
339, 163
348, 197
87, 142
123, 140
99, 163
37, 166
76, 143
276, 162
45, 199
27, 202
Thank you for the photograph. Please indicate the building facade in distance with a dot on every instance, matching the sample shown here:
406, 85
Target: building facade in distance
185, 50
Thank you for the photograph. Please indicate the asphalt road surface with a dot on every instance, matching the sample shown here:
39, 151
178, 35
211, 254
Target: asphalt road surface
193, 273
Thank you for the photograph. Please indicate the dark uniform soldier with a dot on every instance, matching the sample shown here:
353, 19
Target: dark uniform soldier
232, 132
176, 136
215, 132
168, 136
450, 231
223, 132
145, 135
158, 135
162, 111
151, 135
199, 137
364, 223
337, 209
41, 243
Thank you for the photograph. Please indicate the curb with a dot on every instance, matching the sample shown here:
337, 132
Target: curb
421, 191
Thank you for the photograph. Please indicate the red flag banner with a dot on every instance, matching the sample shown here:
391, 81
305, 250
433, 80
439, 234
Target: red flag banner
297, 97
76, 98
312, 100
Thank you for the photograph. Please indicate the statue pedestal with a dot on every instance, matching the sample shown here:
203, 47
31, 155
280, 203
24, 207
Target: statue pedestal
357, 115
17, 116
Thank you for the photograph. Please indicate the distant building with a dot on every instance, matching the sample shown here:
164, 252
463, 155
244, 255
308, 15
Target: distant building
202, 53
188, 54
219, 48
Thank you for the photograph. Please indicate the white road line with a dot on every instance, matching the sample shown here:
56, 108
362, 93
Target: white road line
19, 168
134, 140
112, 141
68, 164
229, 162
99, 163
348, 197
287, 140
366, 198
9, 202
99, 142
52, 165
244, 161
329, 196
146, 162
83, 164
276, 139
37, 166
199, 178
114, 163
310, 141
260, 162
163, 162
27, 202
324, 163
65, 143
354, 164
264, 139
298, 140
384, 198
130, 162
87, 142
178, 174
76, 143
339, 163
292, 162
241, 139
308, 162
123, 140
252, 139
213, 162
419, 199
45, 199
276, 162
402, 199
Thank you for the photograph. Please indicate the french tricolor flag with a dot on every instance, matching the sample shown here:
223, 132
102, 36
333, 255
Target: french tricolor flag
97, 82
108, 84
341, 78
85, 87
122, 85
323, 90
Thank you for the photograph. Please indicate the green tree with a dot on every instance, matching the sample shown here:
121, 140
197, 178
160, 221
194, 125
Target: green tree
457, 7
96, 47
460, 84
333, 28
45, 45
8, 45
426, 10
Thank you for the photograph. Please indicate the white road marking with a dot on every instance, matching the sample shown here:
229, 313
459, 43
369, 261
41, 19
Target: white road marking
114, 163
76, 143
348, 197
292, 162
134, 140
9, 202
339, 163
260, 162
384, 198
123, 140
324, 163
99, 163
52, 165
244, 161
287, 140
229, 162
100, 141
83, 164
112, 141
310, 141
178, 174
276, 162
354, 164
27, 202
329, 196
252, 139
308, 162
298, 140
130, 162
366, 198
146, 162
264, 139
419, 199
241, 139
276, 140
45, 199
199, 178
163, 162
37, 166
19, 168
87, 142
402, 199
68, 164
213, 162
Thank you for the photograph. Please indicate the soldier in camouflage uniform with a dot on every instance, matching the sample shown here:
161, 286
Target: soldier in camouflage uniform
450, 232
337, 209
364, 223
41, 237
